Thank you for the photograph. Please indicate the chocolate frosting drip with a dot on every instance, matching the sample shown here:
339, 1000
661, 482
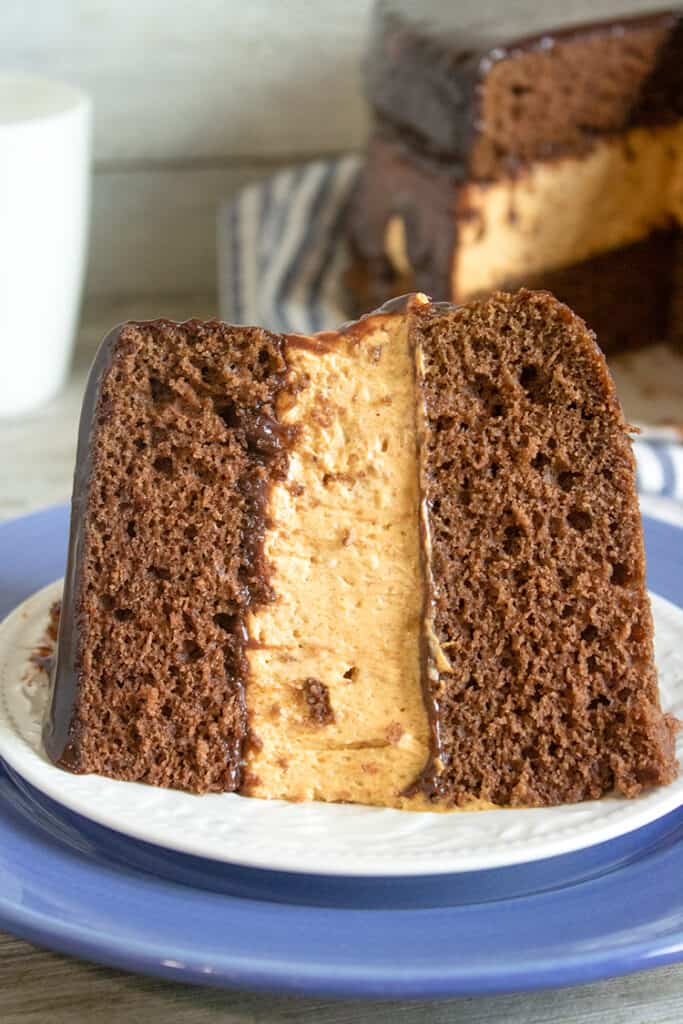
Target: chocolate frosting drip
58, 735
396, 306
324, 341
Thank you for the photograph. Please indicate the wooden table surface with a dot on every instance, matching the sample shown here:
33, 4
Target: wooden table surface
37, 986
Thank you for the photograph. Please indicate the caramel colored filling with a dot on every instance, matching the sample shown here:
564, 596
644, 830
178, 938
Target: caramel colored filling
556, 213
336, 709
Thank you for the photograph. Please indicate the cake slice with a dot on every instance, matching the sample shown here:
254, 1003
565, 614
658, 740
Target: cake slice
399, 564
550, 161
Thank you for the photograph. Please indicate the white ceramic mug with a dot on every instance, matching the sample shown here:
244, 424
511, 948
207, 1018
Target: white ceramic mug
45, 131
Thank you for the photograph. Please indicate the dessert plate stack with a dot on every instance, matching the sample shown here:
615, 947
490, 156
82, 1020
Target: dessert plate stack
325, 899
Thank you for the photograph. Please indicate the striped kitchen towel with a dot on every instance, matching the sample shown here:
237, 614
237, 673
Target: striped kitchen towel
281, 260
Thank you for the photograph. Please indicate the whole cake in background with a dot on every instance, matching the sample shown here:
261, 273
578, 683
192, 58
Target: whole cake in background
399, 564
553, 161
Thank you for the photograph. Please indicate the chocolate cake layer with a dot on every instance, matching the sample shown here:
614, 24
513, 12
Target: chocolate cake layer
624, 295
179, 444
548, 692
490, 103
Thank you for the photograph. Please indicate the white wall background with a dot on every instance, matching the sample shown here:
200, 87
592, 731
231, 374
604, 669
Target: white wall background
192, 99
195, 97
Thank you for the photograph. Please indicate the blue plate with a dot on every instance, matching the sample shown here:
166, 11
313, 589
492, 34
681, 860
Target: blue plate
67, 884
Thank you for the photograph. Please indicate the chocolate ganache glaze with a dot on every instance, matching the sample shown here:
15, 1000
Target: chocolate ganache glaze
469, 88
57, 735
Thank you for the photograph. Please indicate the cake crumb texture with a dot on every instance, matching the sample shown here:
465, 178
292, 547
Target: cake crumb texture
537, 559
184, 447
317, 697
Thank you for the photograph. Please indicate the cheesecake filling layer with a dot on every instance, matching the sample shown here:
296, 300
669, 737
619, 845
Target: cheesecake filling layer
556, 213
335, 700
560, 212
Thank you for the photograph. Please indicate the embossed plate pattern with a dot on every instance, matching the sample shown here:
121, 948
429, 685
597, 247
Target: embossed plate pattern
316, 838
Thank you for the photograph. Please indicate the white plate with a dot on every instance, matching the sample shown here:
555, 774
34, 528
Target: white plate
332, 839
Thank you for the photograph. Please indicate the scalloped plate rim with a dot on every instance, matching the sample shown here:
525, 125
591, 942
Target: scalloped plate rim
607, 818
